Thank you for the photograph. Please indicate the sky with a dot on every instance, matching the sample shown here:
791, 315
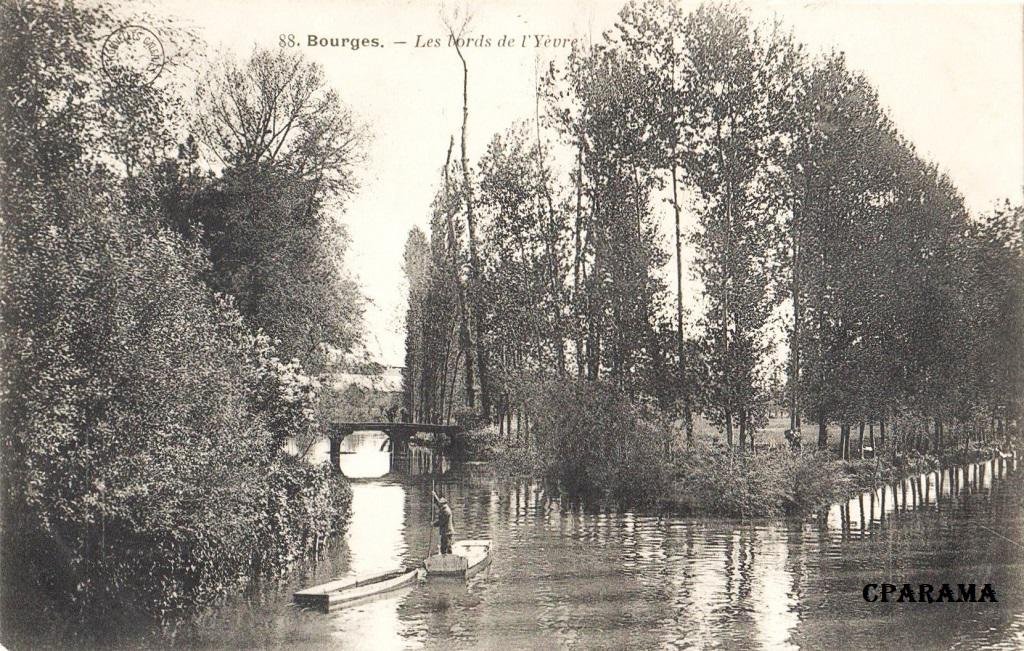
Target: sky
950, 74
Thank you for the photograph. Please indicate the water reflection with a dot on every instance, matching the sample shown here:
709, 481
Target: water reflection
563, 577
867, 512
376, 540
365, 455
774, 602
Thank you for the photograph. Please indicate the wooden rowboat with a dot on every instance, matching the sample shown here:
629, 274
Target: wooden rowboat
338, 594
467, 558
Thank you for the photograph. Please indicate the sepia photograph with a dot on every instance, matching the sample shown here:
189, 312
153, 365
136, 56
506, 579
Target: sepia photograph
498, 324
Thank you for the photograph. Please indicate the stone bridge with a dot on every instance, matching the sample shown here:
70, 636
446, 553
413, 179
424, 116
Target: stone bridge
398, 434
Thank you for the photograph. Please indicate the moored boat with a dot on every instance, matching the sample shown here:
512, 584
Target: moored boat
343, 592
467, 558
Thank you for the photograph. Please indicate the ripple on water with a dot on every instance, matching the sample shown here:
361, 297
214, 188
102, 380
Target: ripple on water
563, 577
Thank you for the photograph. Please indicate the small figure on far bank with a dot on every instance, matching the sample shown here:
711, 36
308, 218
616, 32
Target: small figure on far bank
794, 439
444, 523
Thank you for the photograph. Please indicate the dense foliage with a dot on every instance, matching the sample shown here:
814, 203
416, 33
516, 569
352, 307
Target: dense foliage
144, 415
814, 217
289, 147
597, 444
593, 444
717, 480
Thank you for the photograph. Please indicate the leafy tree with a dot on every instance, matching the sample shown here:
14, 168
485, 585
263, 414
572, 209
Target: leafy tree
523, 241
619, 251
439, 353
903, 304
143, 422
416, 386
730, 132
457, 26
289, 148
143, 453
653, 35
284, 269
995, 312
275, 111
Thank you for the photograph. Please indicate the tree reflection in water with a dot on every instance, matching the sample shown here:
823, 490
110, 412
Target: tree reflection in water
563, 576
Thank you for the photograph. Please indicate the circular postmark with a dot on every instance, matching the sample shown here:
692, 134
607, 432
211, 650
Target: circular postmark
133, 51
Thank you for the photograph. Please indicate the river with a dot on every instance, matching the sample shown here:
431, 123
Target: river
564, 578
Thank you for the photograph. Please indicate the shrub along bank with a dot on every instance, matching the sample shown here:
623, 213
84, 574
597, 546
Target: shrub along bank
143, 412
143, 425
592, 443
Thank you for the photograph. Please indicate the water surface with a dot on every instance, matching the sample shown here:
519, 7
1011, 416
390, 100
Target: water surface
564, 578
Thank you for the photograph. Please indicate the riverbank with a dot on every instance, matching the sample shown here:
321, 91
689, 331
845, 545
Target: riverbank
710, 479
223, 546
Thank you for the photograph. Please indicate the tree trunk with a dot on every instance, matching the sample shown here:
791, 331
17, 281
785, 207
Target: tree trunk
465, 345
593, 350
822, 430
551, 244
464, 342
794, 348
437, 405
726, 361
593, 313
427, 377
451, 391
725, 272
578, 260
474, 260
861, 439
743, 429
685, 388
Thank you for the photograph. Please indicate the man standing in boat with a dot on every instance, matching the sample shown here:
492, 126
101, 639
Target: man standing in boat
444, 523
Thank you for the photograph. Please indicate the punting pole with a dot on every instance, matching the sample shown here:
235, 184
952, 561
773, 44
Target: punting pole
430, 543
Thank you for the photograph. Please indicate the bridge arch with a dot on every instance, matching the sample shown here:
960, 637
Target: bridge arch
398, 434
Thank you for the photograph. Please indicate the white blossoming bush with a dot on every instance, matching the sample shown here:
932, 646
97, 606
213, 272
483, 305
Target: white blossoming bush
280, 391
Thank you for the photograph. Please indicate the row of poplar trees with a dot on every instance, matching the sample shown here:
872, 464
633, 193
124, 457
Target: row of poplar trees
546, 258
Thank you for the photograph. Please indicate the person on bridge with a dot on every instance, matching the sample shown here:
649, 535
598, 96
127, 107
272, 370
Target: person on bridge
444, 523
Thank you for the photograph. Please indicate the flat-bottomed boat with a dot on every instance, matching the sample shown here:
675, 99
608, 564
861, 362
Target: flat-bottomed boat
337, 594
467, 558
